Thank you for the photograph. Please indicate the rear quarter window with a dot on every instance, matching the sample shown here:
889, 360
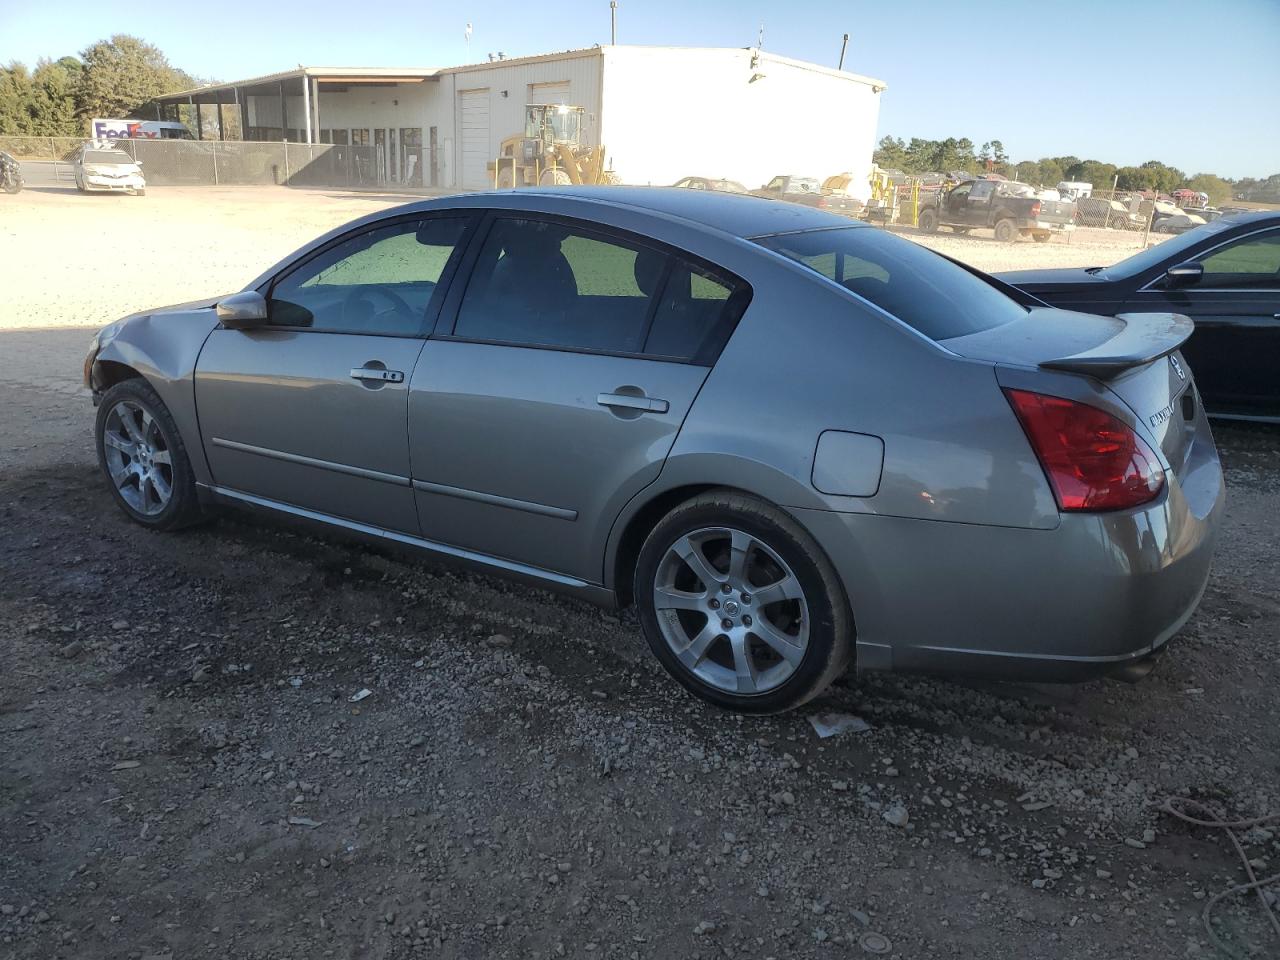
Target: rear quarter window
927, 292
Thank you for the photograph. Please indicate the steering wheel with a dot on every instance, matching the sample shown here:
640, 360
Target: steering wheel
357, 295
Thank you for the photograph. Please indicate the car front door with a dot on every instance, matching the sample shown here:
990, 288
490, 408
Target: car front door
555, 386
1235, 350
978, 209
311, 410
956, 203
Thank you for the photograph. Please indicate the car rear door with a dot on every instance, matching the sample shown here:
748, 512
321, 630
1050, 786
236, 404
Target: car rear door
555, 387
310, 411
1235, 350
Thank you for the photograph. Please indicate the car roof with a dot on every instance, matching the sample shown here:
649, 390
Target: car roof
736, 214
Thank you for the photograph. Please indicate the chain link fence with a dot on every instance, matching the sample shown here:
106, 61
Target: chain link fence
216, 162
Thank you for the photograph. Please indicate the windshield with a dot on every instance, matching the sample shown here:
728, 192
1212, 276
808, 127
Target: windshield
563, 124
925, 291
1153, 256
804, 185
107, 156
730, 186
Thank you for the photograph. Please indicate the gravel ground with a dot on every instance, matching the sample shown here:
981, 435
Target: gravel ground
183, 774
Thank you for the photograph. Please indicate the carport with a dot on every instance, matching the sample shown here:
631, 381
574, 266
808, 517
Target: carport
287, 106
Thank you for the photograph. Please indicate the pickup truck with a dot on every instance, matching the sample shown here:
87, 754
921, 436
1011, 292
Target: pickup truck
1009, 208
808, 191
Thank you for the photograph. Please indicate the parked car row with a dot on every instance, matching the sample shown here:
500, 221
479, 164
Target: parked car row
581, 375
808, 191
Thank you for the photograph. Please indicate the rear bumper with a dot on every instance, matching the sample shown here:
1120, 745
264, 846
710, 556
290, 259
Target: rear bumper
1045, 225
1090, 598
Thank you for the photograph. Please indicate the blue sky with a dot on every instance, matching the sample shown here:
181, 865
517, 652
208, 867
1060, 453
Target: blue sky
1195, 85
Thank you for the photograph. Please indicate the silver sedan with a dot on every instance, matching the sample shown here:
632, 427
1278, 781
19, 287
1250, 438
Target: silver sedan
791, 441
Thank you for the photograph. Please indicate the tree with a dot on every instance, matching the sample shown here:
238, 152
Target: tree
1101, 175
890, 154
123, 75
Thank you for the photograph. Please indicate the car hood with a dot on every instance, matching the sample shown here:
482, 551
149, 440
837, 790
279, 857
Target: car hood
1050, 279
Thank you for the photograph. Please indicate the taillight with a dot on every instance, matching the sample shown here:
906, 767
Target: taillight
1094, 461
823, 202
1035, 208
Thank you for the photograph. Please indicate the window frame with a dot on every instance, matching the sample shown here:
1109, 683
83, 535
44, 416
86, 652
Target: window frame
446, 324
439, 296
1269, 235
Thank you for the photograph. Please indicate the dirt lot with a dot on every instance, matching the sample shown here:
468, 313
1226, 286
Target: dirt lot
182, 775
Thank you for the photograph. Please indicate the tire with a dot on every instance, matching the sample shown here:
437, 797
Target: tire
506, 179
1006, 231
80, 186
1042, 237
928, 221
138, 454
554, 177
746, 673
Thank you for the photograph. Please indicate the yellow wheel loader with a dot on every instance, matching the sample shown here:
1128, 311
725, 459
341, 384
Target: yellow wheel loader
550, 152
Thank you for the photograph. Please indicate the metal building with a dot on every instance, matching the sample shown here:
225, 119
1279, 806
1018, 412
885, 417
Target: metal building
662, 113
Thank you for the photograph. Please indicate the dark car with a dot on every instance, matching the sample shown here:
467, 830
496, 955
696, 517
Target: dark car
1009, 208
1225, 275
809, 192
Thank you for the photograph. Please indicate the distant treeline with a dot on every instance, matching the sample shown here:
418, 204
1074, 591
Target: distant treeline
120, 77
943, 156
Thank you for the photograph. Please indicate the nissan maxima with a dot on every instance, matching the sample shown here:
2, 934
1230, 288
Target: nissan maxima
792, 442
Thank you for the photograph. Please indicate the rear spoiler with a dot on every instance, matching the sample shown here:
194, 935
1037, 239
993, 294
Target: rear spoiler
1144, 337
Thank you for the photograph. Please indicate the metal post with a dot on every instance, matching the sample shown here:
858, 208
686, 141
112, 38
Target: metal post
284, 116
244, 115
306, 105
844, 45
613, 22
218, 107
315, 104
196, 107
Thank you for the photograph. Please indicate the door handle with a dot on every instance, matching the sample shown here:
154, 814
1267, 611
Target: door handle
377, 374
627, 401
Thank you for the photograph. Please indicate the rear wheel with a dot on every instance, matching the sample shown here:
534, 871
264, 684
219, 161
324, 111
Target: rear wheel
143, 457
1041, 237
740, 605
1006, 231
928, 221
506, 179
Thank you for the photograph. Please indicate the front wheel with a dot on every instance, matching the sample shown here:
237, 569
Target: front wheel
740, 605
12, 185
928, 221
1006, 231
144, 459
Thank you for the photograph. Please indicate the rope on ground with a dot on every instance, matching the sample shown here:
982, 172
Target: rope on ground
1208, 817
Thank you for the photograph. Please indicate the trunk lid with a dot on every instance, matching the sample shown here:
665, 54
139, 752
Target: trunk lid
1135, 355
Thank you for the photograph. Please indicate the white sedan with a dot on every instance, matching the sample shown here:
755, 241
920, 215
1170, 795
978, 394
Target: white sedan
108, 169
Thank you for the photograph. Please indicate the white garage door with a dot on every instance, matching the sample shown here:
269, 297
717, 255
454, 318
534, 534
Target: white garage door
473, 111
549, 92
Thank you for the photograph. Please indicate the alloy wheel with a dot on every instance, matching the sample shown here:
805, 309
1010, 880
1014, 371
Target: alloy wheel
732, 610
138, 457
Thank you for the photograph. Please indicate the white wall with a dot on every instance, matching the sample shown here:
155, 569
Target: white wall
506, 113
672, 112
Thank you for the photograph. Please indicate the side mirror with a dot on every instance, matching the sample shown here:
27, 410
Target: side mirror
1184, 274
242, 311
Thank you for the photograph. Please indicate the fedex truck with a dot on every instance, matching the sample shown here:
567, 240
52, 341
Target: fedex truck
139, 130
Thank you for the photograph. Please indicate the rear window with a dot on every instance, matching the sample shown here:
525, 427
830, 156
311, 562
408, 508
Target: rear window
920, 288
107, 156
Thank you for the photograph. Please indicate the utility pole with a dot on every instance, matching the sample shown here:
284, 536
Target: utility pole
844, 45
613, 22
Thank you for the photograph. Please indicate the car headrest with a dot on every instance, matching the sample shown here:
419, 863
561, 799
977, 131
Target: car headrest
648, 271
